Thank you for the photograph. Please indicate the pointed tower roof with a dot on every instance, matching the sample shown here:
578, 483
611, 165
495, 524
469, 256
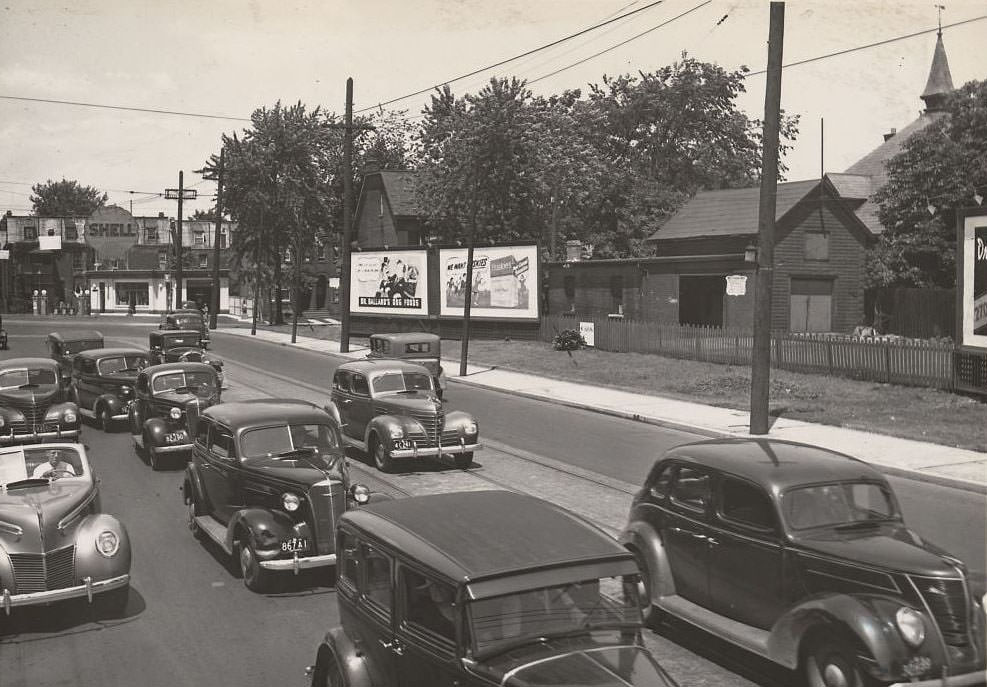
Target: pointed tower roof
940, 82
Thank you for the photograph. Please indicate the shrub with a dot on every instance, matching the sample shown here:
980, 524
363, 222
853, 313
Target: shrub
568, 340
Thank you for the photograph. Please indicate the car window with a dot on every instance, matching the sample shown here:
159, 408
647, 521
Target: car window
285, 440
341, 380
659, 481
360, 386
221, 443
395, 382
27, 376
429, 611
838, 504
691, 488
376, 587
202, 433
745, 504
40, 463
123, 363
348, 566
417, 348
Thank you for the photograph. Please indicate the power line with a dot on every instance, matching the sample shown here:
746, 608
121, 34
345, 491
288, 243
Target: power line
101, 106
511, 59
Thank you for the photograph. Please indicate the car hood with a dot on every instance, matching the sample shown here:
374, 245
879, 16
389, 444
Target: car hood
410, 403
204, 398
889, 547
286, 470
45, 393
122, 377
37, 510
586, 666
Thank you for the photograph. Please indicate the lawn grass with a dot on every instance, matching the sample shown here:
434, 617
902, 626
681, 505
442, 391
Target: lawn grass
902, 411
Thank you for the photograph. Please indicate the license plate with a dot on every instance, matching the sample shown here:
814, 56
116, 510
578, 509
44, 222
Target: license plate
401, 444
174, 437
294, 544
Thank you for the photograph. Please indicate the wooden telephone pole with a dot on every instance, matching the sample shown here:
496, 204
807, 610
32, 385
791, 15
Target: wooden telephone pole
214, 306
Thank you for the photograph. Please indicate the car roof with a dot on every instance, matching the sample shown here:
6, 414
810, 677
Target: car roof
155, 370
77, 335
27, 362
110, 352
406, 337
774, 463
471, 535
369, 366
266, 411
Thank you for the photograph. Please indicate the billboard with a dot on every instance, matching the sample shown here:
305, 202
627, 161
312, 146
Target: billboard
389, 283
973, 281
505, 282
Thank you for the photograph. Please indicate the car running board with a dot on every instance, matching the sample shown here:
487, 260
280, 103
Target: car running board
751, 638
215, 530
87, 413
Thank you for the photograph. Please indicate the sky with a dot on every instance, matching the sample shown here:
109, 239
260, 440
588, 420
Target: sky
224, 58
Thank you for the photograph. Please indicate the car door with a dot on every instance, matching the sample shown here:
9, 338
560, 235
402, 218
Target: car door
427, 626
746, 581
80, 395
375, 606
686, 531
221, 473
360, 409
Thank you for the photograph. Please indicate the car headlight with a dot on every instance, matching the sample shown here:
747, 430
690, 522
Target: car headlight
2, 421
69, 417
470, 427
397, 432
126, 391
175, 413
910, 625
107, 543
290, 501
360, 493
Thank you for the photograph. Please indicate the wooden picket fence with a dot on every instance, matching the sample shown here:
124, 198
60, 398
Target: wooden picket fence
881, 359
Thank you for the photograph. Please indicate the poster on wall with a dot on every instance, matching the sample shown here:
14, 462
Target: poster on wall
389, 283
505, 282
974, 283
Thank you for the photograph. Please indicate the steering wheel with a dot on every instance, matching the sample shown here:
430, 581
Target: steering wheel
55, 473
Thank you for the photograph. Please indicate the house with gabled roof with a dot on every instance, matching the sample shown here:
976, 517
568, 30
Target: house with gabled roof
387, 212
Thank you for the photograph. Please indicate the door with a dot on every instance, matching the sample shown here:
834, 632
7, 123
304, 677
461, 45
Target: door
811, 305
375, 612
701, 299
427, 626
686, 533
88, 387
102, 297
220, 472
320, 292
361, 410
745, 562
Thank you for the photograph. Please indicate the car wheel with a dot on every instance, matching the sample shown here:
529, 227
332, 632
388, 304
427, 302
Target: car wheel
382, 457
105, 419
644, 589
255, 578
193, 510
114, 602
464, 460
833, 663
135, 423
152, 455
326, 672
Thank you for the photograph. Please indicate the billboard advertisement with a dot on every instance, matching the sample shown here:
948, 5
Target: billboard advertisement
389, 283
973, 284
505, 282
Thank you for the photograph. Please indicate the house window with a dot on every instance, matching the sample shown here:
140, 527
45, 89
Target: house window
617, 294
203, 261
817, 246
569, 285
135, 293
78, 262
222, 237
71, 233
30, 233
152, 235
811, 304
199, 238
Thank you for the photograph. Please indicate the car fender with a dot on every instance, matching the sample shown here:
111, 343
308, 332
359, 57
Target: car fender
381, 426
377, 497
352, 661
643, 539
260, 524
868, 617
91, 563
6, 571
330, 407
111, 401
192, 484
155, 428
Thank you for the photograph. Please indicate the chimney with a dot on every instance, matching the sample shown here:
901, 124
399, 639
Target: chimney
890, 134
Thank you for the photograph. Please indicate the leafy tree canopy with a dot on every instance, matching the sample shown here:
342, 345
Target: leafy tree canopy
942, 166
66, 198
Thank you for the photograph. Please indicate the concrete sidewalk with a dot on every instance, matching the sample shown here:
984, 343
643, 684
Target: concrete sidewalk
919, 460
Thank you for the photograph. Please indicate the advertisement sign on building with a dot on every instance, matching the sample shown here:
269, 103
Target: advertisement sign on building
50, 242
505, 280
973, 284
587, 330
736, 285
389, 283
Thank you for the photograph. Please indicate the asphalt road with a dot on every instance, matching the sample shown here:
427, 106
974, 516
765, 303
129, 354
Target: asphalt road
191, 622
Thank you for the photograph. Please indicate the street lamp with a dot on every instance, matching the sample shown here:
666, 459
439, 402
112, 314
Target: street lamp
750, 253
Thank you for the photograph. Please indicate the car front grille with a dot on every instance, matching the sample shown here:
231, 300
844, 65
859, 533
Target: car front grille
328, 502
43, 572
947, 600
34, 413
25, 428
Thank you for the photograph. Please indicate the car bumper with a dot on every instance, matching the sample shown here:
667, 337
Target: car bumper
35, 437
299, 563
171, 448
88, 588
427, 451
975, 678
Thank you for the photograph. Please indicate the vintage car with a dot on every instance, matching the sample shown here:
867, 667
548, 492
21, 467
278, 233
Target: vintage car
388, 408
62, 346
55, 544
800, 555
167, 401
267, 482
420, 604
187, 318
181, 346
103, 383
417, 347
33, 403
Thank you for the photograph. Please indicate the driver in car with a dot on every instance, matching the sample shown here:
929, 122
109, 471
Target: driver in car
52, 466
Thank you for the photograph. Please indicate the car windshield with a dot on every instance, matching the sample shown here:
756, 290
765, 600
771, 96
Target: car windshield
179, 379
27, 376
499, 622
73, 347
122, 363
180, 340
396, 382
838, 504
304, 440
187, 321
18, 464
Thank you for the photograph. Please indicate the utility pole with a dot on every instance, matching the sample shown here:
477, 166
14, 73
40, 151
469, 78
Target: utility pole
344, 277
764, 274
214, 306
467, 306
296, 287
179, 194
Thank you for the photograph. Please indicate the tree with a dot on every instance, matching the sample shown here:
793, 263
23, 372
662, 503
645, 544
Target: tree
66, 199
204, 215
938, 171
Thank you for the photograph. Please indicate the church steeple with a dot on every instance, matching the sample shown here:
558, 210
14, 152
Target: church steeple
940, 82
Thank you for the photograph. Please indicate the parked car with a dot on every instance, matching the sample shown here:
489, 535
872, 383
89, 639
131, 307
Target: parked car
55, 543
63, 346
181, 346
544, 598
267, 482
417, 347
167, 401
34, 403
800, 555
389, 409
103, 382
187, 318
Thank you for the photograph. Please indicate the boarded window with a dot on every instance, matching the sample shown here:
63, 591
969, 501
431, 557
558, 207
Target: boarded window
817, 246
811, 305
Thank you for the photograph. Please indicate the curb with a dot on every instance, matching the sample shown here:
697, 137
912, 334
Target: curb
709, 432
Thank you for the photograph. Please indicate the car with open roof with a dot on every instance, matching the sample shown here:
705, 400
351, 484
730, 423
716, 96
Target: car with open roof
64, 345
34, 405
55, 543
543, 598
801, 555
268, 481
103, 382
390, 410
